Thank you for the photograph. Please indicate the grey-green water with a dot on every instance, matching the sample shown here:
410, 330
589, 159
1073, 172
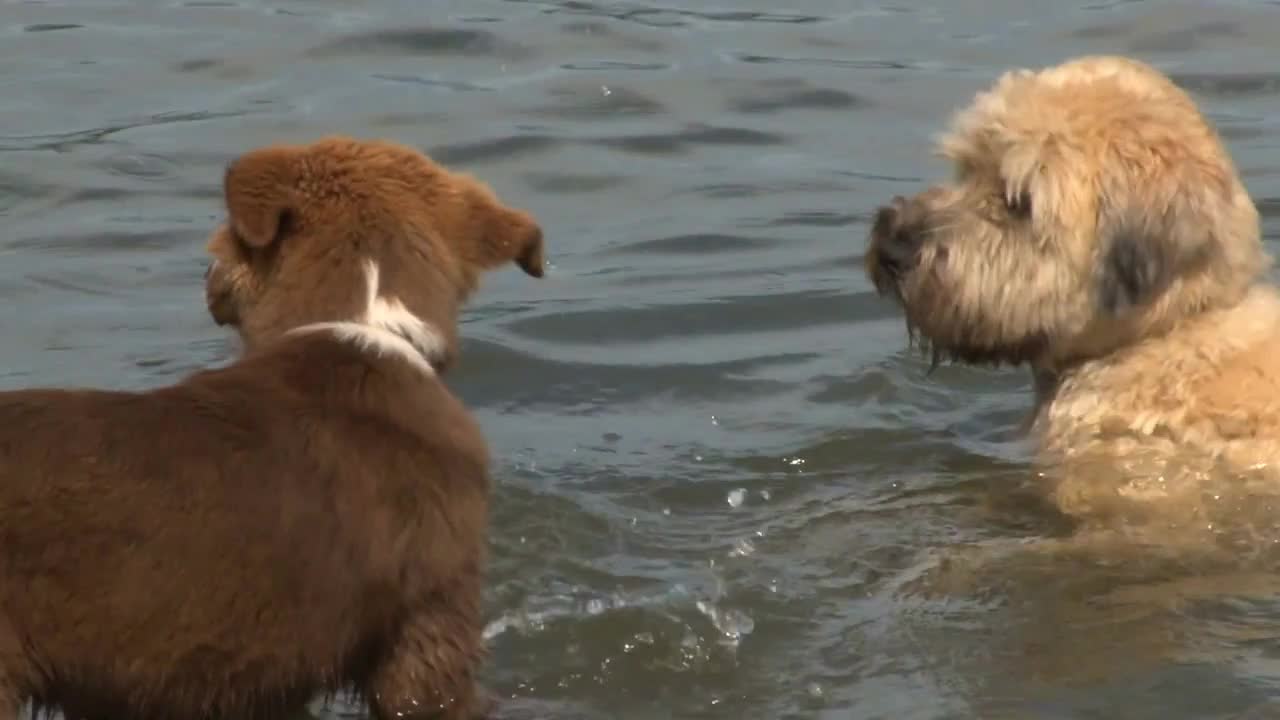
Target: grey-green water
724, 489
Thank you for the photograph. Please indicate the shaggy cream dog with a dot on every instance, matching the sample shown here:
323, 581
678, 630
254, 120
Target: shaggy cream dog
1097, 231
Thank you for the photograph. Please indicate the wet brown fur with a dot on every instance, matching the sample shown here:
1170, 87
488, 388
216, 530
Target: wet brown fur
311, 518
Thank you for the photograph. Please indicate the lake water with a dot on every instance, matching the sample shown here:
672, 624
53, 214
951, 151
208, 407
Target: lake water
724, 486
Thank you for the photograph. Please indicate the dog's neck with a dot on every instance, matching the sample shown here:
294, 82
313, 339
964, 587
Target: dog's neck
421, 347
1045, 382
1253, 318
387, 328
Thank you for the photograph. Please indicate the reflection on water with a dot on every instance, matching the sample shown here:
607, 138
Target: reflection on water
725, 488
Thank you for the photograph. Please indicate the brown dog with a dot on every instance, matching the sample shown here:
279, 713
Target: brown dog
311, 518
1097, 231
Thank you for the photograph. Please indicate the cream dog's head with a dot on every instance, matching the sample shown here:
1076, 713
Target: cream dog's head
1092, 205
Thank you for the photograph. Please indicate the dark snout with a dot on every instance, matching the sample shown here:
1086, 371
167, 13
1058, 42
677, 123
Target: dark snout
894, 246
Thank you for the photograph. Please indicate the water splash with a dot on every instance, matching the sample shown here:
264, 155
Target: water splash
732, 624
528, 620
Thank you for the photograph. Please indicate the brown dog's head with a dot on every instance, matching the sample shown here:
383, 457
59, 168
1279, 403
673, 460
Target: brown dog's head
1092, 205
323, 232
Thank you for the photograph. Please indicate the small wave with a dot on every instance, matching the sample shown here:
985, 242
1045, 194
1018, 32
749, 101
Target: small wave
731, 624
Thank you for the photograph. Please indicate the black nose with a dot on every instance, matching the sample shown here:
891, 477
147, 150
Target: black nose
886, 221
896, 243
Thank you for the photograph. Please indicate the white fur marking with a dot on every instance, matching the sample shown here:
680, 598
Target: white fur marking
387, 327
391, 315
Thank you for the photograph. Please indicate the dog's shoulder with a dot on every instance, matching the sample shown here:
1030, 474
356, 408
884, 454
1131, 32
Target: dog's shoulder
1214, 378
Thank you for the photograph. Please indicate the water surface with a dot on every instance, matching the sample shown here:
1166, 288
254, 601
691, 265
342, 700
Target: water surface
724, 487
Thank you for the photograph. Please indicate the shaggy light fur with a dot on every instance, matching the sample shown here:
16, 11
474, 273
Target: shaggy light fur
1097, 231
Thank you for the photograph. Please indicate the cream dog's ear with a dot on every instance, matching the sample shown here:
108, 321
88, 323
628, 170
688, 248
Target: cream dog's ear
1144, 247
1137, 264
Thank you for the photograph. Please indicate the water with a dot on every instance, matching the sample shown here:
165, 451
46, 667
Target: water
724, 488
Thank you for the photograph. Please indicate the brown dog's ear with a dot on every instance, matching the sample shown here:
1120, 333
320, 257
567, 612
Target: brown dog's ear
259, 189
514, 236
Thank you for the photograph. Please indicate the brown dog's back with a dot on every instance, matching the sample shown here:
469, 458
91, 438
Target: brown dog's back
237, 543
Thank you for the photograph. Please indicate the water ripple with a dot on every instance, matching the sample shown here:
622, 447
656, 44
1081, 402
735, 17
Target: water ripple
425, 41
723, 487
